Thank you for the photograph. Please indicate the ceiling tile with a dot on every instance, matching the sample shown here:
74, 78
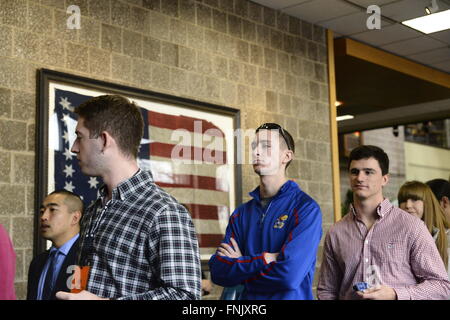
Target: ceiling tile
350, 24
411, 46
408, 9
444, 66
279, 4
442, 36
366, 3
432, 56
389, 34
320, 10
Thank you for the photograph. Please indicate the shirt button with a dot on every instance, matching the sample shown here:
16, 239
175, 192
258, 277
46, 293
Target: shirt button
367, 241
367, 260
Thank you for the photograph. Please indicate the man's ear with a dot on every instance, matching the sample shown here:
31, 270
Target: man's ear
385, 179
289, 155
76, 217
107, 140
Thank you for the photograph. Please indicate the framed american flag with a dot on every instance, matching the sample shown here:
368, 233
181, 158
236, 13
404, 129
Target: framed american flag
189, 146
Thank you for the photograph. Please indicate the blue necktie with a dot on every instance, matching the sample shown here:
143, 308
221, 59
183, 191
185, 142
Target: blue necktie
49, 283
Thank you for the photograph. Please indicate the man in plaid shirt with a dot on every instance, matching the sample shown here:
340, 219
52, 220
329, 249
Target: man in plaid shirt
138, 241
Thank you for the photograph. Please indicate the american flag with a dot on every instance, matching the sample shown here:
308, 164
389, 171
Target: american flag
202, 186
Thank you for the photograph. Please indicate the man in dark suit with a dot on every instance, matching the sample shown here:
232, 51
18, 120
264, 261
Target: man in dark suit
50, 271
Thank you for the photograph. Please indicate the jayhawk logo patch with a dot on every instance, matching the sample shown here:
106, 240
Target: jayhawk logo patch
280, 222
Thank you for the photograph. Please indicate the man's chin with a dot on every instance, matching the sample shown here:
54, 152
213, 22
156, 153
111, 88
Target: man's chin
358, 193
46, 236
261, 172
88, 172
257, 167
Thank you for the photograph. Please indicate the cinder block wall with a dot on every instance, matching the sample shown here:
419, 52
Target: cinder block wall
229, 52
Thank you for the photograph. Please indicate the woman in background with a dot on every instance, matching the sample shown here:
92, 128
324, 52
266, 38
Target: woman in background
7, 267
417, 199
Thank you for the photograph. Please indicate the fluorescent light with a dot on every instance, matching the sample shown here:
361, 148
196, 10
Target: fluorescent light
345, 117
430, 23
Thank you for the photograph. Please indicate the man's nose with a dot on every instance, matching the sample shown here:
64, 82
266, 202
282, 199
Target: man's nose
44, 215
360, 176
74, 148
256, 151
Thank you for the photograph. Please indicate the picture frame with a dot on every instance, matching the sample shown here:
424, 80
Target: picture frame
349, 141
205, 176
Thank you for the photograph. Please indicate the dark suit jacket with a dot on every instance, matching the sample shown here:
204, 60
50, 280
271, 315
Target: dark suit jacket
37, 265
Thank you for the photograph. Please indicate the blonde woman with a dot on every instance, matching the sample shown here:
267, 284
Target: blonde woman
417, 199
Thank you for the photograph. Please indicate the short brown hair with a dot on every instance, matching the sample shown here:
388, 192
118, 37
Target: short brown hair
118, 116
368, 151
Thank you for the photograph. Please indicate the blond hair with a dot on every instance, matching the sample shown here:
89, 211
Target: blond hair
433, 215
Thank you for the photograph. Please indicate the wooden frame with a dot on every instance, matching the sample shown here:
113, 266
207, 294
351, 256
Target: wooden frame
56, 122
349, 47
381, 89
333, 128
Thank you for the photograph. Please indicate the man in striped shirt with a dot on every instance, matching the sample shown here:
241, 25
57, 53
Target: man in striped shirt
377, 243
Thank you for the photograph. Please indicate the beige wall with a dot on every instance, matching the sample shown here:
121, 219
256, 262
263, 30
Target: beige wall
229, 52
425, 163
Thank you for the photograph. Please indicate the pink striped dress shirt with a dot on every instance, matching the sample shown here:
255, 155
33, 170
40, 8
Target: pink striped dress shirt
398, 251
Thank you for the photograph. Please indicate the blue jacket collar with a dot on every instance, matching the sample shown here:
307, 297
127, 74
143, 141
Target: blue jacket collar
285, 188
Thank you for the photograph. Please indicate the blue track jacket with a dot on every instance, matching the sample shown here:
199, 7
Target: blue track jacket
292, 226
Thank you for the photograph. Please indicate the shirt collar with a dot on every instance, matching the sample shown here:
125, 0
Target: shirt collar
286, 186
382, 209
128, 186
65, 248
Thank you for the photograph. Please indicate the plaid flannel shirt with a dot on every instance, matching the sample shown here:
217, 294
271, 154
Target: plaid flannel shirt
144, 244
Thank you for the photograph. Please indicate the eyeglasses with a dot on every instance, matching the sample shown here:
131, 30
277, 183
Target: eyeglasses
274, 126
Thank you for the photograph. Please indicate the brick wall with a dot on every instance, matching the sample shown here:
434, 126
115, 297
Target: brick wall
229, 52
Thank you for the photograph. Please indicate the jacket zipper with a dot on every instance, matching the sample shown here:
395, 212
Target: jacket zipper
264, 213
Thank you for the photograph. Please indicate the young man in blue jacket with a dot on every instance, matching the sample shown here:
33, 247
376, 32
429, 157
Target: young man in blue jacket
271, 242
